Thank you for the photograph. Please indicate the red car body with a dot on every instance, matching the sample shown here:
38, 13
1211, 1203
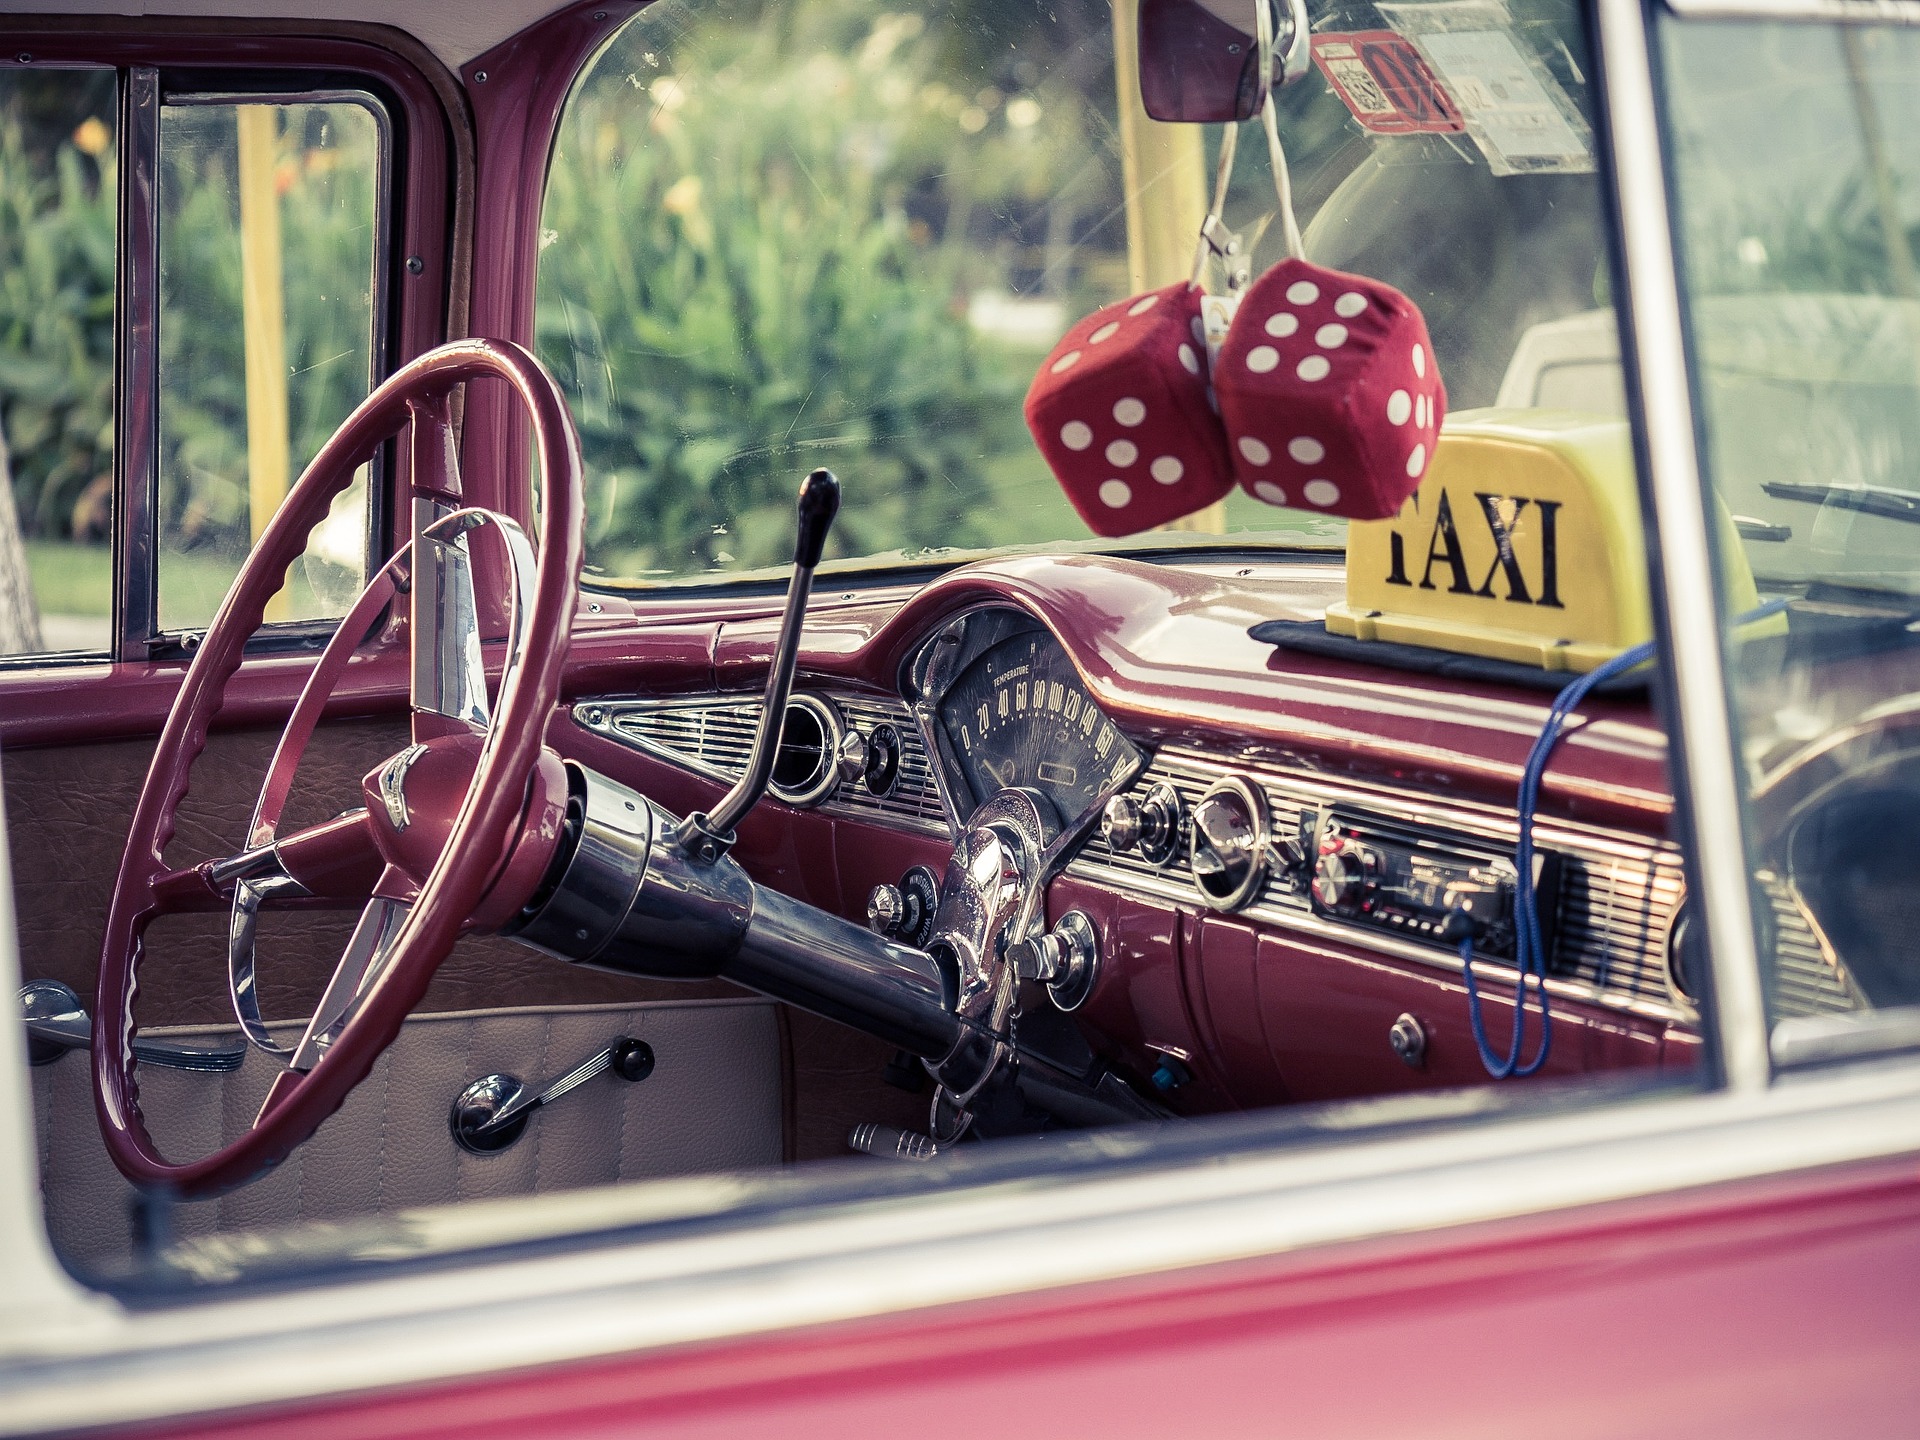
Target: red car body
1712, 1255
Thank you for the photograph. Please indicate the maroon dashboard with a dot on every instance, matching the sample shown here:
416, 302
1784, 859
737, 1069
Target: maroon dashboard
1268, 985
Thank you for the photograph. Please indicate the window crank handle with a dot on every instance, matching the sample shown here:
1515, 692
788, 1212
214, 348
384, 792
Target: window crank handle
491, 1113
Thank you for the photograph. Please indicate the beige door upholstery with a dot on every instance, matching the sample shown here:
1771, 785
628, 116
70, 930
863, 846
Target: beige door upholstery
714, 1102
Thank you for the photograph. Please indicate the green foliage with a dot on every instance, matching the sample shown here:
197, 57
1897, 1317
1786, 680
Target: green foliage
56, 326
57, 223
325, 181
758, 247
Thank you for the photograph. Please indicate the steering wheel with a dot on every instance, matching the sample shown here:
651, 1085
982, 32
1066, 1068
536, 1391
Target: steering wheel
459, 827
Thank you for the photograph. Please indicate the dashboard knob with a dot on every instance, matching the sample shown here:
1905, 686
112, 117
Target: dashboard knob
886, 906
1120, 823
850, 758
1150, 825
1343, 876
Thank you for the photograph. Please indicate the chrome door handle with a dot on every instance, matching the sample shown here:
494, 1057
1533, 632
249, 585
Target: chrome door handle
57, 1022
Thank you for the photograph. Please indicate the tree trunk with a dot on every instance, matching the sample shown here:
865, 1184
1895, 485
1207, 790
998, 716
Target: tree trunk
19, 614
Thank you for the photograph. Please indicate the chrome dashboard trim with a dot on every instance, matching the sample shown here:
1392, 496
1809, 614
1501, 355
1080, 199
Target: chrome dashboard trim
709, 735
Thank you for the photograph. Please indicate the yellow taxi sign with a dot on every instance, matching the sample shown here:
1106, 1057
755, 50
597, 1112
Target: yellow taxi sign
1523, 543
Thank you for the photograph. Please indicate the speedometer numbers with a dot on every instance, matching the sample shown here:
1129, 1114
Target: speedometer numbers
1019, 717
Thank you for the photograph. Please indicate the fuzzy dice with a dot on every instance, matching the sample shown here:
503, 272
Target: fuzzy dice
1122, 413
1329, 392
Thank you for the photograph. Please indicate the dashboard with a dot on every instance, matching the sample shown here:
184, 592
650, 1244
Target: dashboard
1122, 694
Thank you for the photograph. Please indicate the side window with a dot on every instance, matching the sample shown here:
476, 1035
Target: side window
1804, 306
58, 202
269, 305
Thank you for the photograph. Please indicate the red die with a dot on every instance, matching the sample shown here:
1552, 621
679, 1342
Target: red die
1329, 391
1122, 413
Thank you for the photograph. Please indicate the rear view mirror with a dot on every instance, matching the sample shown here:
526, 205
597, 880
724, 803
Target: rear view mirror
1213, 61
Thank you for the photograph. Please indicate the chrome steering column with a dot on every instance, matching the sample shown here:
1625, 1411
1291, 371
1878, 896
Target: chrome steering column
637, 890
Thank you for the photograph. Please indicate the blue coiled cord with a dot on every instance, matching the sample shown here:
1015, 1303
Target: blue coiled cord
1530, 954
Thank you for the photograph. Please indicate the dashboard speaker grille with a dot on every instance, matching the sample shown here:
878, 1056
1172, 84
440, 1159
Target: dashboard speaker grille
715, 738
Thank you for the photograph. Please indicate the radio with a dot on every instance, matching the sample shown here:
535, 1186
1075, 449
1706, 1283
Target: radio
1426, 885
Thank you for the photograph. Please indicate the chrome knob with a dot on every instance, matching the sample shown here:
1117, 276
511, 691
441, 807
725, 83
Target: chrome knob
1120, 823
885, 907
1066, 959
850, 759
1408, 1037
1343, 876
1150, 825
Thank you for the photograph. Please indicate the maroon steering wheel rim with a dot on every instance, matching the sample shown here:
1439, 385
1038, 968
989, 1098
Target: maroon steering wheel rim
484, 830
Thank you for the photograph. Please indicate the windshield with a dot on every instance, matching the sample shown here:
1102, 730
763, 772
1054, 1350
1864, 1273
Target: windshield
788, 233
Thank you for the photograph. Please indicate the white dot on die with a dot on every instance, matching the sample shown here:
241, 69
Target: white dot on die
1270, 492
1322, 492
1262, 358
1306, 449
1419, 361
1199, 331
1167, 470
1122, 453
1349, 304
1143, 304
1189, 359
1105, 332
1330, 337
1419, 412
1399, 407
1114, 493
1417, 461
1282, 324
1129, 412
1076, 435
1255, 451
1314, 367
1303, 292
1066, 361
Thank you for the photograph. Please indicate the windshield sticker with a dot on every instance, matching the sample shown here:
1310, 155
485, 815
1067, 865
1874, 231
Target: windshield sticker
1510, 113
1385, 84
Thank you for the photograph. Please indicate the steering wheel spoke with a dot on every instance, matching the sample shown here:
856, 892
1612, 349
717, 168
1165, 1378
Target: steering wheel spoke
449, 677
365, 960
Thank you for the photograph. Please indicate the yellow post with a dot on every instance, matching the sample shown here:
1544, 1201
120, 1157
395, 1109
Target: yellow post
264, 320
1164, 168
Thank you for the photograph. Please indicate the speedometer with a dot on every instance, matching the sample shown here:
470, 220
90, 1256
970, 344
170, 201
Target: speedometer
1018, 716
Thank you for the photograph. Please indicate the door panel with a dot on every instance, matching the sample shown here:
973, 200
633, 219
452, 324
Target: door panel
713, 1102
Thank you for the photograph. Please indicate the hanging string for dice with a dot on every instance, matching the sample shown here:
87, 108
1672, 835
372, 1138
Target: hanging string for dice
1282, 183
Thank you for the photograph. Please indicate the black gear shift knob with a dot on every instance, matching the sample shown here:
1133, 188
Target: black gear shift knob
819, 503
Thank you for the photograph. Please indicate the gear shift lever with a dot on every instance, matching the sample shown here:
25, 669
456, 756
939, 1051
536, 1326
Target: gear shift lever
706, 837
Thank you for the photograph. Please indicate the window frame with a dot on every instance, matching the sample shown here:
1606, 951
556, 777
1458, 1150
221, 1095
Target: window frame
140, 635
62, 698
1755, 1049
